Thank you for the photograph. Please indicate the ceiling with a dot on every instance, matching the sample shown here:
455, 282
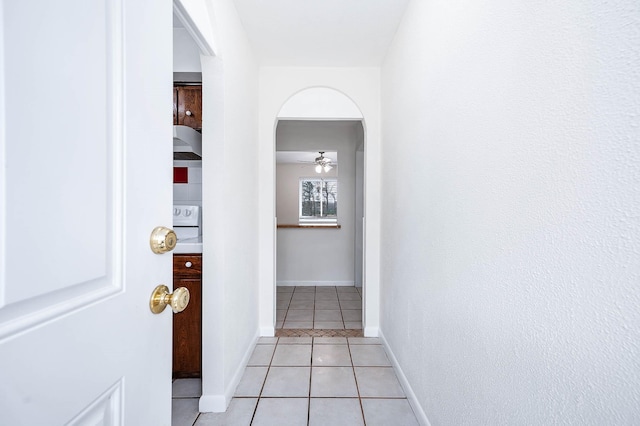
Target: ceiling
325, 33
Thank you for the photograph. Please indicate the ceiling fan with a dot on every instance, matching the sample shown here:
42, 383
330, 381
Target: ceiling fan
323, 163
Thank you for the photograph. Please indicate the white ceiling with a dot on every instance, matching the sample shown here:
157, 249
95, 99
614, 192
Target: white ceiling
320, 32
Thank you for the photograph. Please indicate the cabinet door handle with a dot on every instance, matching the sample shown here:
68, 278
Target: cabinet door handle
188, 264
188, 113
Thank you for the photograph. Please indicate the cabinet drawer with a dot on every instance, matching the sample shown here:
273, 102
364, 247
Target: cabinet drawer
187, 106
189, 265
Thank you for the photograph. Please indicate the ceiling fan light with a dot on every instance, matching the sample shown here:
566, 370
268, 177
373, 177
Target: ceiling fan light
327, 167
318, 168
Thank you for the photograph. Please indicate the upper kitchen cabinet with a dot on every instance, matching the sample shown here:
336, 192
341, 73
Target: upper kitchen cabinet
187, 106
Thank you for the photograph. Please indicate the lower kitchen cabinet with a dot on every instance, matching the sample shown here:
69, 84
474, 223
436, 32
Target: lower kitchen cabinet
187, 325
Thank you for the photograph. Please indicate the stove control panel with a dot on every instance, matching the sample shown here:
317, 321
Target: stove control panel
186, 215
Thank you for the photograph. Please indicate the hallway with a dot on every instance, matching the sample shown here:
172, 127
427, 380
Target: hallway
306, 381
498, 166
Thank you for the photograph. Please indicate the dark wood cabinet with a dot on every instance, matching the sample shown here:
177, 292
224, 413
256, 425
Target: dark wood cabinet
187, 106
187, 325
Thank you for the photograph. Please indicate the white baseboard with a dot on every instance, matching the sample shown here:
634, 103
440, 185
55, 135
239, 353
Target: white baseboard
235, 380
267, 331
212, 404
371, 331
219, 403
411, 396
315, 283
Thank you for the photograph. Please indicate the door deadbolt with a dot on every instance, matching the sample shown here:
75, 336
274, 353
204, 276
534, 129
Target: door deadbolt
162, 240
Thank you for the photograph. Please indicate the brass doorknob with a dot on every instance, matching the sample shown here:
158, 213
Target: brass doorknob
162, 240
160, 298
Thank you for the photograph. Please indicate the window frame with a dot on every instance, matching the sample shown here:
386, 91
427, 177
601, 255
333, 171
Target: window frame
316, 220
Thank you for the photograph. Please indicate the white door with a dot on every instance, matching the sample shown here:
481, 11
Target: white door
85, 154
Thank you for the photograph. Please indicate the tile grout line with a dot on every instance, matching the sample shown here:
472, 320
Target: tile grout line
344, 325
353, 368
255, 410
341, 316
196, 420
310, 376
288, 305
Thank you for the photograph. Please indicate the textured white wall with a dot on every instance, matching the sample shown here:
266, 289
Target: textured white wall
511, 198
230, 205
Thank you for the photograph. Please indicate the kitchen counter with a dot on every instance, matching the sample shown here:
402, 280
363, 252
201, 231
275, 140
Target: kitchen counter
189, 245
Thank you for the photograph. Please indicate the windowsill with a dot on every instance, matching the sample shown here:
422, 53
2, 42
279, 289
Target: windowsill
313, 226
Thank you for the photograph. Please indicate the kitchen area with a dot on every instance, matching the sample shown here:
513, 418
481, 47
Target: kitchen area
187, 202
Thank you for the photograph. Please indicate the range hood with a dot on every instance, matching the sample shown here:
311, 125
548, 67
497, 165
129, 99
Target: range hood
187, 143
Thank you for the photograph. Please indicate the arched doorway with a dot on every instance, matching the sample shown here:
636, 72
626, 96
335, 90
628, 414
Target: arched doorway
312, 109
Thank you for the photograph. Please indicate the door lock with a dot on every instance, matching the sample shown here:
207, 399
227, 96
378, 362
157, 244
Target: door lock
162, 240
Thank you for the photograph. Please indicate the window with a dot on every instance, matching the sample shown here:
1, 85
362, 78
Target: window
318, 200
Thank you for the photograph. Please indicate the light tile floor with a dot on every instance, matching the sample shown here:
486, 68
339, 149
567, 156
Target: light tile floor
327, 308
309, 382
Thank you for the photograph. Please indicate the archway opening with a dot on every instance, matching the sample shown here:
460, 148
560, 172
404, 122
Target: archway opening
319, 257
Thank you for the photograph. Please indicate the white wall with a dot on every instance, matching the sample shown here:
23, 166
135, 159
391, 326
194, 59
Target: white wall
186, 54
230, 218
319, 103
316, 256
311, 256
510, 232
277, 85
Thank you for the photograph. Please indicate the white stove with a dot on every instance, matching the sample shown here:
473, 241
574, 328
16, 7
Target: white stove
187, 221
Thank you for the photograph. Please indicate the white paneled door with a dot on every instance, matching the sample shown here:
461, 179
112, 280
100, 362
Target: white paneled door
85, 150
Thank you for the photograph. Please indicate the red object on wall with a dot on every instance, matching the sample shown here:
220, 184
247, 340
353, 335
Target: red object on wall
180, 175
